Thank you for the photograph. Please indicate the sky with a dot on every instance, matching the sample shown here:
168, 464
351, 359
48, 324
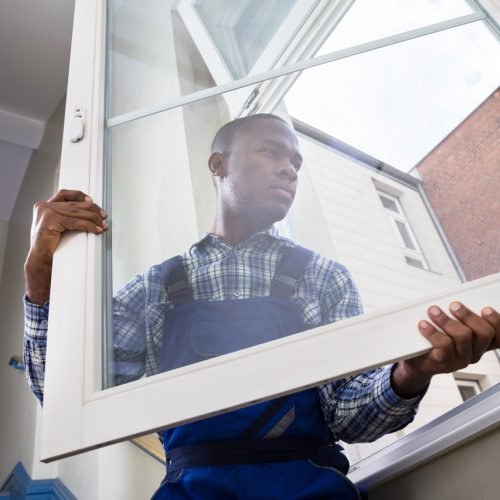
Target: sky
399, 102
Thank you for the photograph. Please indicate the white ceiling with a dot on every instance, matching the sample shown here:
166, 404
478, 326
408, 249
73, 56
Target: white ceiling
35, 37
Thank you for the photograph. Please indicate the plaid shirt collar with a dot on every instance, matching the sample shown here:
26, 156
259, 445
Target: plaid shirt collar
262, 237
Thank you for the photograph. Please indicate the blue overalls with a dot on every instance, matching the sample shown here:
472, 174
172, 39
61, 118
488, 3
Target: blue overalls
279, 449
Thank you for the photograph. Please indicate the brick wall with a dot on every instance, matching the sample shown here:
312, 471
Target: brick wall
462, 180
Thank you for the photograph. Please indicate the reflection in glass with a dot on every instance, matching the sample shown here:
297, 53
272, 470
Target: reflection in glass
242, 30
174, 48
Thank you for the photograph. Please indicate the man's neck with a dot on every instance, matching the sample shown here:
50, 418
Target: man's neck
235, 232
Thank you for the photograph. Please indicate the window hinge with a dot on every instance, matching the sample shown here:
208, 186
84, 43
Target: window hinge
248, 104
251, 99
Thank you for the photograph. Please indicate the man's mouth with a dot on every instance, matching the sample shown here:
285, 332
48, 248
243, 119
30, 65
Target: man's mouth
284, 191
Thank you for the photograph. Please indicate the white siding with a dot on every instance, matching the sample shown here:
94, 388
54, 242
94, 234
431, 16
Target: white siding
362, 233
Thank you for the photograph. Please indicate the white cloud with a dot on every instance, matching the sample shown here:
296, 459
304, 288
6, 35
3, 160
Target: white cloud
398, 102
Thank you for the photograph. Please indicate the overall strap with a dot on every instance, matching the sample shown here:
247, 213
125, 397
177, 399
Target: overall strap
175, 281
289, 271
272, 409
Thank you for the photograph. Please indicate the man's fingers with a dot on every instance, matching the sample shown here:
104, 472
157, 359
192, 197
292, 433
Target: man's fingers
68, 210
460, 334
74, 224
441, 343
457, 341
81, 210
492, 316
53, 216
482, 332
70, 195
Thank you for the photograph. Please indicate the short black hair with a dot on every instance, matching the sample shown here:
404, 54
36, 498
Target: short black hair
227, 133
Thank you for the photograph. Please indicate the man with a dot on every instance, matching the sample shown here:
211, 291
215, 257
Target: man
244, 271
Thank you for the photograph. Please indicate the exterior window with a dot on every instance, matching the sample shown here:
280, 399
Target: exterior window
413, 254
414, 262
468, 388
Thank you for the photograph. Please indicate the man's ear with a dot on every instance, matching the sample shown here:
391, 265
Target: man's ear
217, 164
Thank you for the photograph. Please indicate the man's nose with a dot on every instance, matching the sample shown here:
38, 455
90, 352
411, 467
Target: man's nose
287, 169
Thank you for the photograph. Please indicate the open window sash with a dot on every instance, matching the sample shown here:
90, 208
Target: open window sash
78, 415
303, 27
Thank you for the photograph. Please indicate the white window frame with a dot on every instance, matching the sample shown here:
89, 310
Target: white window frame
79, 416
400, 216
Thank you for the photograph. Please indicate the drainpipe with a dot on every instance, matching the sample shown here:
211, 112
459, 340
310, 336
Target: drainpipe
442, 234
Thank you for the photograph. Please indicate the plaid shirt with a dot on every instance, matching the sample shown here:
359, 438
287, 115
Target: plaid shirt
357, 409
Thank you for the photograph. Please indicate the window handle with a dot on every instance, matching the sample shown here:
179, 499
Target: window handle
77, 125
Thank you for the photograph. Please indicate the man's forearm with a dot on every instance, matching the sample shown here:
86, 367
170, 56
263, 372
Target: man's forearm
364, 407
408, 383
38, 274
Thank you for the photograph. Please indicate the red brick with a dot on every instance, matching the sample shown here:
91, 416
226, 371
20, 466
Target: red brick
461, 177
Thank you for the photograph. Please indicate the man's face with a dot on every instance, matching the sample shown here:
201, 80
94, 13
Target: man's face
260, 178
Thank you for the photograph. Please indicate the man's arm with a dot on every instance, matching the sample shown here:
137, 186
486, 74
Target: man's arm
364, 407
129, 332
66, 211
367, 406
129, 337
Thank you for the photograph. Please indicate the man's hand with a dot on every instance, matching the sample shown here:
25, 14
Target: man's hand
66, 211
457, 341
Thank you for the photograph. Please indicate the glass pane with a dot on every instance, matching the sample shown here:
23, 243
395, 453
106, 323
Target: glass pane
389, 204
155, 55
397, 103
159, 168
162, 201
403, 231
414, 262
467, 391
242, 30
368, 20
